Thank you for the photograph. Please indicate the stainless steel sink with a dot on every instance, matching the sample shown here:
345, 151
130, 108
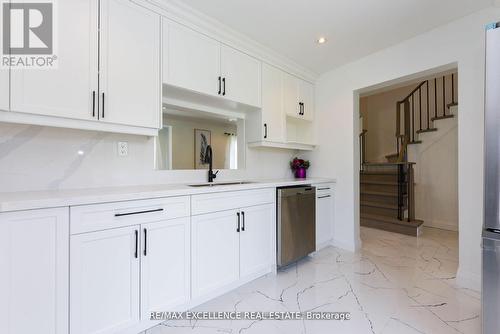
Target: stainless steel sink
219, 184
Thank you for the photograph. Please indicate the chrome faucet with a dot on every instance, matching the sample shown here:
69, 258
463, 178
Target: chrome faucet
209, 160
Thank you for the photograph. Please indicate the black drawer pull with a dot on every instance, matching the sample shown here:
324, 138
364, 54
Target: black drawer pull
243, 218
239, 222
137, 213
325, 196
136, 254
323, 188
145, 242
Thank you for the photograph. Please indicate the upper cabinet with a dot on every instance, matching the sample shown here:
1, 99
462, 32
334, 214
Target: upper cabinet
190, 60
69, 90
203, 65
109, 76
130, 78
298, 98
287, 112
241, 79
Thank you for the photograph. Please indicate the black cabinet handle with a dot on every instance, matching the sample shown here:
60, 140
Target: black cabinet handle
102, 105
326, 196
224, 86
238, 228
303, 108
93, 103
243, 219
323, 188
145, 242
220, 86
265, 131
137, 212
136, 244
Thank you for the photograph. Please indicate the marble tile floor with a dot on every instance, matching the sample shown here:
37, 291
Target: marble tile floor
395, 284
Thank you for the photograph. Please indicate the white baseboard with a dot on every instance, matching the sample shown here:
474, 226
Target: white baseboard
352, 247
468, 279
443, 225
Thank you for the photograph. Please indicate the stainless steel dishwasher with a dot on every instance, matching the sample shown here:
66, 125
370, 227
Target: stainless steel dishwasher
296, 226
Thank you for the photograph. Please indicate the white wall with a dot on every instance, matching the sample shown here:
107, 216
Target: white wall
460, 42
436, 175
42, 158
379, 119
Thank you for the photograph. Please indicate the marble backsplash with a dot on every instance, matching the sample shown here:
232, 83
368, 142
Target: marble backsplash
44, 158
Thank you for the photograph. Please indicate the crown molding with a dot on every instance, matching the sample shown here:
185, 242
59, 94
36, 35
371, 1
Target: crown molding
181, 13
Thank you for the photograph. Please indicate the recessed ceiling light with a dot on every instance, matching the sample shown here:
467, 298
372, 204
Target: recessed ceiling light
321, 40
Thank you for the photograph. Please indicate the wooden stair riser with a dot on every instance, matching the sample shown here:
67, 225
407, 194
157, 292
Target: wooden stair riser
379, 211
408, 230
379, 177
391, 200
388, 188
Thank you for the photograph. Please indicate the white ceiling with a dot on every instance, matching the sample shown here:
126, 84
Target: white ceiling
354, 28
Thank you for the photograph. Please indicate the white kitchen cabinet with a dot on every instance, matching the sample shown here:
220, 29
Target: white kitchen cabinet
273, 121
34, 279
256, 233
165, 265
105, 278
69, 90
215, 247
298, 98
130, 78
241, 75
325, 214
192, 60
203, 65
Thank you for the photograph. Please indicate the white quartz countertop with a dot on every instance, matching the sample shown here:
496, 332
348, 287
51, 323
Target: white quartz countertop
29, 200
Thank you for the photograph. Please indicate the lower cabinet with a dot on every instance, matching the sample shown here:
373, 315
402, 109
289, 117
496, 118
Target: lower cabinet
230, 245
215, 258
165, 265
105, 278
120, 275
325, 214
256, 239
34, 272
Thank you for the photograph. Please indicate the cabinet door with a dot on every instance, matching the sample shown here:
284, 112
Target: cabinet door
256, 236
325, 210
68, 90
130, 80
272, 104
34, 272
215, 258
241, 76
193, 60
165, 265
306, 96
291, 95
104, 281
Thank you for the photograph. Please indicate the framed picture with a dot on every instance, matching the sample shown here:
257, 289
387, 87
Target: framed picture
202, 138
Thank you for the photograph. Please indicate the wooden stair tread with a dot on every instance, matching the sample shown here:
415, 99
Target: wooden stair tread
379, 205
453, 104
442, 117
387, 219
415, 142
427, 130
392, 155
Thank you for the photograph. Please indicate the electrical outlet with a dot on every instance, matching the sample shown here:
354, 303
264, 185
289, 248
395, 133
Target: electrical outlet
122, 148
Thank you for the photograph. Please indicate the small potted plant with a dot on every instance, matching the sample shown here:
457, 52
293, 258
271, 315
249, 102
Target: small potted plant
299, 166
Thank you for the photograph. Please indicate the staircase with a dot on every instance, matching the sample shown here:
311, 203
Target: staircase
387, 189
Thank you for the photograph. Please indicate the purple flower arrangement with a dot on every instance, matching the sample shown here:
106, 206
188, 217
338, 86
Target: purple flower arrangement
299, 166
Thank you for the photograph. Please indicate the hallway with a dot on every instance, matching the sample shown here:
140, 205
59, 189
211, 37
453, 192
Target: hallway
396, 284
